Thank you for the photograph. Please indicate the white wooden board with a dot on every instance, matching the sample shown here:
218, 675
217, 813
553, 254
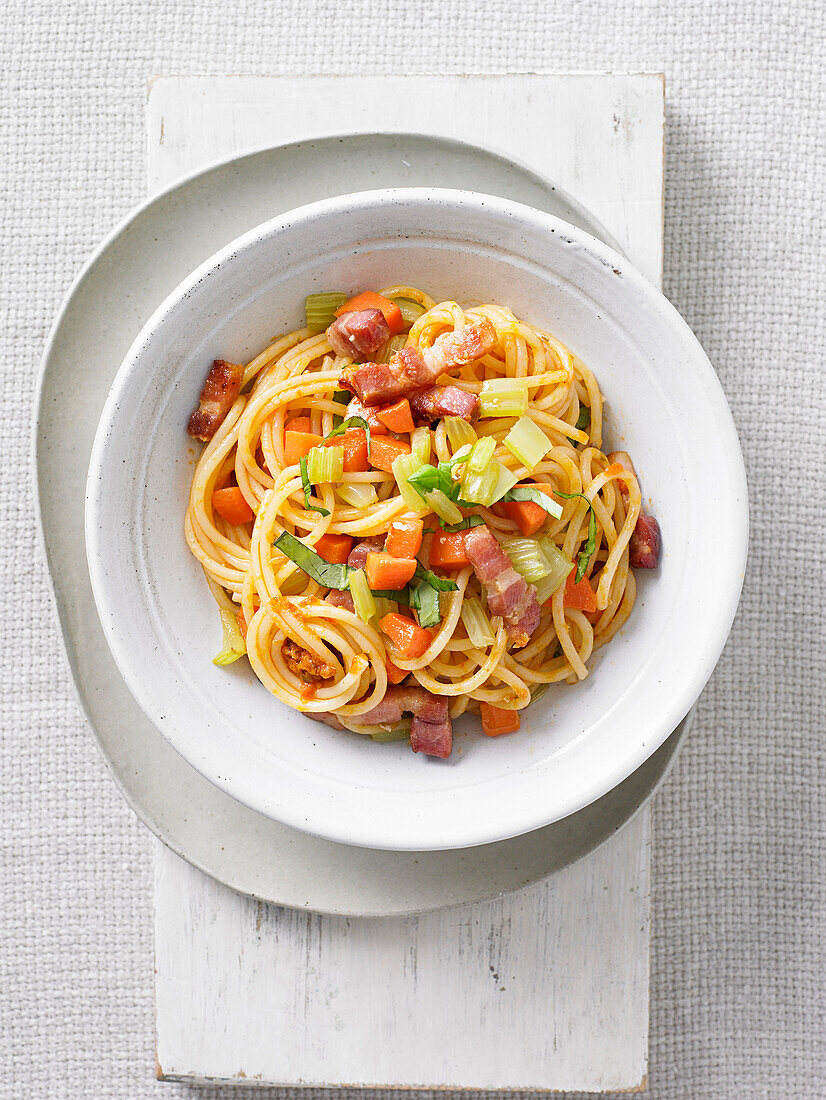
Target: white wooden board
544, 989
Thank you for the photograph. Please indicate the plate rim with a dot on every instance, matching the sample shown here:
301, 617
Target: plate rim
86, 273
713, 630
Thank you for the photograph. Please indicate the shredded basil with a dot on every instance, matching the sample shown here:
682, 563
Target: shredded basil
583, 421
400, 595
591, 543
463, 525
307, 486
323, 572
441, 584
424, 599
344, 397
427, 477
530, 492
351, 422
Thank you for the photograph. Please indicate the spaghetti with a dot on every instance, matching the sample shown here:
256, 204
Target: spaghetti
381, 545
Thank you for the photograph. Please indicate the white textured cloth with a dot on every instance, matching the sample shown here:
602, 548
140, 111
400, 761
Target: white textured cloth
738, 999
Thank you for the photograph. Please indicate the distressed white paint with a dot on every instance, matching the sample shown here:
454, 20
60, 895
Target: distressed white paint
547, 988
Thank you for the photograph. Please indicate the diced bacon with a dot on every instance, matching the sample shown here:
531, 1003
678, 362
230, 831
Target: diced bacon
357, 557
384, 383
359, 334
328, 718
646, 541
432, 738
433, 402
464, 345
340, 599
222, 386
431, 730
355, 408
508, 594
410, 370
410, 699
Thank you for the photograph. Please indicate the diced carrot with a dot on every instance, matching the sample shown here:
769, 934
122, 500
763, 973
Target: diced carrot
579, 596
370, 300
354, 443
384, 571
297, 445
410, 639
334, 548
528, 516
404, 539
384, 452
398, 417
231, 506
496, 720
447, 551
299, 424
394, 674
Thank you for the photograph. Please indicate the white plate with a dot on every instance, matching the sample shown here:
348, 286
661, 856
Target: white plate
575, 744
149, 253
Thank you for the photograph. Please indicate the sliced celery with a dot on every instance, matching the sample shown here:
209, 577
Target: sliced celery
479, 488
403, 467
459, 432
476, 622
401, 732
503, 397
320, 309
528, 558
527, 442
559, 568
420, 443
234, 645
363, 600
358, 495
325, 464
443, 506
480, 455
505, 481
411, 311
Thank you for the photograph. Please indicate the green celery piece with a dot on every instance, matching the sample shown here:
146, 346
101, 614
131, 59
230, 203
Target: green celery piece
307, 486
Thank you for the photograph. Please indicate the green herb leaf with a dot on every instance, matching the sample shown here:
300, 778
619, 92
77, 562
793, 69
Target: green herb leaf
591, 542
425, 602
322, 572
529, 492
583, 421
344, 397
441, 584
307, 485
464, 525
400, 595
351, 422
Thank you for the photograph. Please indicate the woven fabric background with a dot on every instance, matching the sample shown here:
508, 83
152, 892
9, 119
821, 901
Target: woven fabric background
739, 998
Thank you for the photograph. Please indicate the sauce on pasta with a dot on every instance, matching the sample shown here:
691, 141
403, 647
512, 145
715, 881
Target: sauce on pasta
405, 513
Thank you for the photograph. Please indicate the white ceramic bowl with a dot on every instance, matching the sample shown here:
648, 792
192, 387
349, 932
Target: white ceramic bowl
665, 406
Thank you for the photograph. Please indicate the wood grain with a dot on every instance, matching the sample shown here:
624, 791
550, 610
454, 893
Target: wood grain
546, 988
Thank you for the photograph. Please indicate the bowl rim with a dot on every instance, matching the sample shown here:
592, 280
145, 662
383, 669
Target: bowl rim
690, 688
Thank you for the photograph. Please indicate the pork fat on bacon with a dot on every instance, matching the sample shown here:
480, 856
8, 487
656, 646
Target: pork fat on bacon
508, 594
222, 386
410, 370
431, 730
646, 542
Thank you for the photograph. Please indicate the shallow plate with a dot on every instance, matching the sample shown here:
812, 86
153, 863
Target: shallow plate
142, 260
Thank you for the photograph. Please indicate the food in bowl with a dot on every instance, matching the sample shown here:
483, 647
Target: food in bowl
405, 514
